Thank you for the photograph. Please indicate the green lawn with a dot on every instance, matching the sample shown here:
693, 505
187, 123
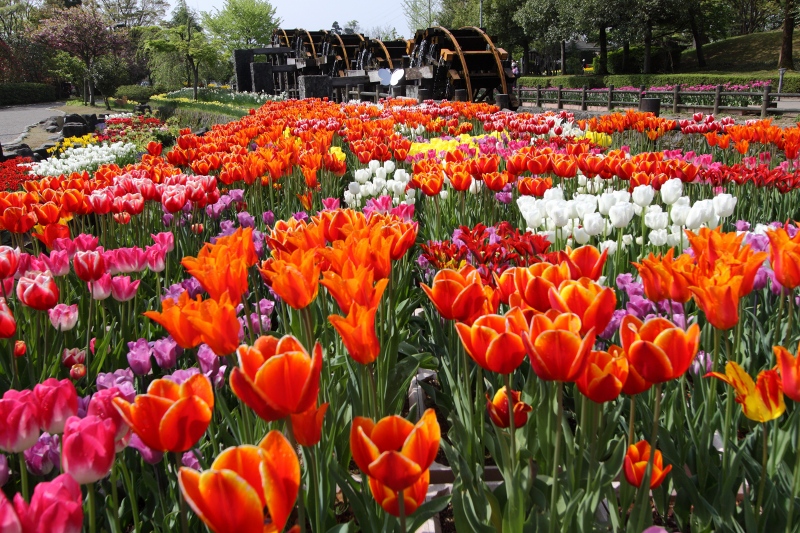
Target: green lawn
746, 53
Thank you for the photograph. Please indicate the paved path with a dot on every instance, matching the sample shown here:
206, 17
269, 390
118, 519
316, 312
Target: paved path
14, 121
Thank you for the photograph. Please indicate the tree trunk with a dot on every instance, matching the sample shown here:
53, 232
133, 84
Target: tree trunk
563, 58
785, 59
523, 63
698, 40
626, 56
196, 69
90, 83
648, 47
602, 69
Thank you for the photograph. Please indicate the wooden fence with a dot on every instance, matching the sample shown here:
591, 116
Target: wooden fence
611, 98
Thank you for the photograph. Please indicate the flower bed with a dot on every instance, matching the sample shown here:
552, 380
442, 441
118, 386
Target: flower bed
205, 327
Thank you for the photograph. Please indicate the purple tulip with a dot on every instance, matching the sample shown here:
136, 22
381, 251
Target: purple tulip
122, 379
43, 456
5, 472
149, 455
139, 357
166, 352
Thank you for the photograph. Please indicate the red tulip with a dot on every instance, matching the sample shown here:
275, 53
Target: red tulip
88, 451
89, 266
20, 415
8, 325
9, 261
38, 290
57, 401
20, 348
498, 409
307, 426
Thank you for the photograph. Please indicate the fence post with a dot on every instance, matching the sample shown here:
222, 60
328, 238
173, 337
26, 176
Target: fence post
717, 99
559, 103
538, 96
583, 99
676, 97
610, 97
518, 91
359, 90
765, 100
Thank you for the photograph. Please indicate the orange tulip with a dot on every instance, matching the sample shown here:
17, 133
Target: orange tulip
534, 284
358, 333
494, 341
217, 323
277, 377
635, 465
555, 347
593, 303
662, 279
307, 426
789, 368
460, 295
246, 478
499, 411
604, 375
585, 262
170, 417
413, 496
400, 235
658, 349
395, 452
784, 255
295, 277
761, 401
175, 320
718, 296
355, 285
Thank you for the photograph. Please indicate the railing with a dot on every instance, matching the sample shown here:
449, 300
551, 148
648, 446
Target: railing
609, 98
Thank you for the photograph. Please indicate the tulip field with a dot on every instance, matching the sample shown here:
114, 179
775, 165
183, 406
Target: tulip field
366, 317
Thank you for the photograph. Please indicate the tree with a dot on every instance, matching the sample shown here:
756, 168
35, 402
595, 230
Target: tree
421, 14
384, 33
83, 32
335, 28
352, 27
185, 37
242, 23
134, 13
459, 13
788, 8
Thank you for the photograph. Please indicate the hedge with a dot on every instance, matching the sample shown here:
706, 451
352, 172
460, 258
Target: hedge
26, 93
791, 81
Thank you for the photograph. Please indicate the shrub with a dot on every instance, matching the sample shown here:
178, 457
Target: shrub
26, 93
136, 93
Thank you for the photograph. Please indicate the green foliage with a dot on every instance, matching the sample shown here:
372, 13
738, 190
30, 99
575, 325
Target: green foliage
791, 81
663, 59
135, 93
758, 51
26, 93
242, 24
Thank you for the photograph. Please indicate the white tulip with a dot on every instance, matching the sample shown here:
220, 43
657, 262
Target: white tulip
374, 165
443, 194
362, 175
643, 195
724, 204
627, 239
380, 173
611, 246
475, 187
621, 214
354, 188
559, 215
658, 237
581, 180
606, 201
402, 176
389, 166
679, 214
580, 235
594, 223
656, 220
622, 196
702, 211
671, 191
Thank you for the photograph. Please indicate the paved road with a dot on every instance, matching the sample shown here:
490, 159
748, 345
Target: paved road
15, 120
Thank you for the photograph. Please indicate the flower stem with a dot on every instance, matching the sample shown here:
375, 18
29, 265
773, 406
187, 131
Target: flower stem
762, 481
795, 493
401, 503
23, 472
556, 456
790, 303
92, 508
648, 475
511, 428
184, 520
632, 419
115, 497
301, 508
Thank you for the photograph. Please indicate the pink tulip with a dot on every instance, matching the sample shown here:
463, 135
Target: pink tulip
20, 415
57, 262
56, 507
77, 372
131, 260
35, 263
156, 258
24, 265
165, 239
73, 356
86, 242
101, 405
7, 286
9, 261
123, 289
63, 317
57, 401
101, 201
101, 289
88, 448
65, 244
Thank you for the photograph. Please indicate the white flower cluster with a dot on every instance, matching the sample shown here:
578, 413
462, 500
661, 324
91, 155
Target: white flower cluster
599, 214
120, 115
78, 159
379, 180
409, 131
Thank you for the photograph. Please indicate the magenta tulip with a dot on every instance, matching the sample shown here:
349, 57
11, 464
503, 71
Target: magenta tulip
88, 448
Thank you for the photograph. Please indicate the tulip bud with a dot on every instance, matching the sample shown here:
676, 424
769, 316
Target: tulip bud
20, 348
63, 317
89, 266
197, 228
621, 214
57, 400
20, 415
8, 325
9, 261
73, 356
724, 204
77, 372
499, 412
88, 448
671, 190
38, 290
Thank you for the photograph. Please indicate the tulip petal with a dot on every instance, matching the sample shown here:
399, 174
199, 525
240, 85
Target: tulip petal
164, 388
651, 362
145, 418
213, 494
281, 380
422, 444
390, 433
200, 386
395, 470
245, 461
184, 423
244, 390
504, 353
281, 473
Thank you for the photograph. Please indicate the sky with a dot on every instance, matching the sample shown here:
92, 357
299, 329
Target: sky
320, 14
